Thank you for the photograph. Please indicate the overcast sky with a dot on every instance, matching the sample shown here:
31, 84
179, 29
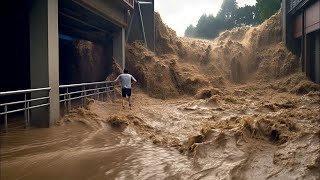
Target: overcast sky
179, 14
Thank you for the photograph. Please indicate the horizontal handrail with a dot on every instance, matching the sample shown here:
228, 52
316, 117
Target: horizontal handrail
88, 95
87, 90
28, 100
27, 104
24, 91
23, 109
84, 84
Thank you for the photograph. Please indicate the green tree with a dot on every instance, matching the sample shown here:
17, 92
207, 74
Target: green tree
202, 26
246, 16
266, 8
190, 31
227, 13
229, 16
227, 9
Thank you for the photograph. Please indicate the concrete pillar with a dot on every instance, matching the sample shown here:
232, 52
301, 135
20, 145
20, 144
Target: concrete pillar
317, 57
284, 21
119, 47
44, 59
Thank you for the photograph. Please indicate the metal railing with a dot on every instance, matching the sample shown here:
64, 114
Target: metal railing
27, 104
68, 93
130, 3
97, 90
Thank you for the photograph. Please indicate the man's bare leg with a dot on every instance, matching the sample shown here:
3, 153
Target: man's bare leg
129, 99
123, 102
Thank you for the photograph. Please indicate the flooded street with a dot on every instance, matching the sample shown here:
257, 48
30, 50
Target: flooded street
75, 151
243, 133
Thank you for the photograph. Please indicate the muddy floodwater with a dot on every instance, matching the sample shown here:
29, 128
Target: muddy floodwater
237, 107
75, 151
239, 133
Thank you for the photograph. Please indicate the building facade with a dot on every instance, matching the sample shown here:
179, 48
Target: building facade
301, 33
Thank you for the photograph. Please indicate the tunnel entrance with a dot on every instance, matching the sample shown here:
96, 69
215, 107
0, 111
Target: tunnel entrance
84, 61
85, 44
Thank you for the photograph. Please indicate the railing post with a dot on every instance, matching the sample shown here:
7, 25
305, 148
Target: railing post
94, 93
98, 91
82, 98
65, 101
69, 101
28, 114
5, 118
25, 111
105, 92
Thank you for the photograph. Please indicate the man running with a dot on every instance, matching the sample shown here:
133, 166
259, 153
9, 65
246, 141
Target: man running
125, 79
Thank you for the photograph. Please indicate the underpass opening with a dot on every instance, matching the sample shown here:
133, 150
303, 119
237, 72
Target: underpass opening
84, 61
85, 44
86, 47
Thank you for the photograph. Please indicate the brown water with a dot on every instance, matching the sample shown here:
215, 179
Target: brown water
244, 133
74, 151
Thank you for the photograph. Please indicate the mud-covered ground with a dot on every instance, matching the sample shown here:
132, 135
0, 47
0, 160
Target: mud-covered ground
241, 132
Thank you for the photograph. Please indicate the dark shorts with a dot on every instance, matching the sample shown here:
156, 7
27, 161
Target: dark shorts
126, 92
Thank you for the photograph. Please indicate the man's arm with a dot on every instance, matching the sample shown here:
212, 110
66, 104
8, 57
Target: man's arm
134, 80
116, 79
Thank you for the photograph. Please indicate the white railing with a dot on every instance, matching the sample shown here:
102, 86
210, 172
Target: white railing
26, 101
97, 90
130, 3
68, 93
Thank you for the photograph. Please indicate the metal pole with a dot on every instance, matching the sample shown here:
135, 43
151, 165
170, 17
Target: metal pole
6, 118
144, 35
97, 91
82, 98
106, 91
28, 113
69, 101
25, 111
129, 29
65, 101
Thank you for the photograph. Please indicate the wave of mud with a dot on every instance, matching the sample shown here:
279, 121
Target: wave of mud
186, 66
256, 116
238, 133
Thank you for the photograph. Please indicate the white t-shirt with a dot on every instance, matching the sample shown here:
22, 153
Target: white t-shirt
125, 80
